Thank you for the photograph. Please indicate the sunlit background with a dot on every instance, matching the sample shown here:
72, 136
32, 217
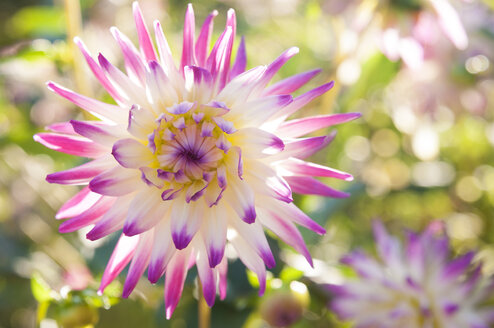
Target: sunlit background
422, 151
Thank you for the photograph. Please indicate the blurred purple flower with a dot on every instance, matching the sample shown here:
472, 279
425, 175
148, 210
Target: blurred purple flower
416, 286
188, 154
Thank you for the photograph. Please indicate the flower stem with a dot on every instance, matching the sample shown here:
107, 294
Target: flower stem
204, 310
73, 21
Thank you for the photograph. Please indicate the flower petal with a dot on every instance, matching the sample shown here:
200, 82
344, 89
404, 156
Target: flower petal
133, 62
73, 145
121, 256
291, 84
163, 250
186, 219
88, 217
93, 106
139, 262
176, 272
98, 72
112, 220
81, 174
241, 198
207, 276
188, 51
253, 233
240, 61
306, 147
117, 181
145, 211
101, 133
202, 44
78, 204
251, 260
300, 127
213, 232
145, 42
298, 167
311, 186
131, 154
287, 232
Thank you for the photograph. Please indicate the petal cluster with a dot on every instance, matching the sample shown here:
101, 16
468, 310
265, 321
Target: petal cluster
415, 286
190, 158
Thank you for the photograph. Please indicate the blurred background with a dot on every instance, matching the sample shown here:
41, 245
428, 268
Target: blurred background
420, 72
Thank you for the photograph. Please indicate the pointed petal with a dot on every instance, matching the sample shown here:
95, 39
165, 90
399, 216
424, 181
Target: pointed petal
287, 232
78, 204
202, 44
240, 197
81, 174
275, 66
256, 112
160, 87
251, 260
93, 106
207, 276
163, 250
257, 143
254, 234
73, 145
216, 62
311, 186
298, 167
112, 220
134, 65
132, 154
240, 60
222, 270
302, 100
147, 47
141, 122
139, 262
213, 232
134, 92
186, 219
299, 127
293, 213
98, 72
291, 84
188, 53
99, 132
306, 147
164, 50
176, 272
116, 181
88, 217
121, 256
145, 211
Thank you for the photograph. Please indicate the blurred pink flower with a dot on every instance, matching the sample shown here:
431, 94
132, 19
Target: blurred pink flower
416, 43
416, 286
188, 154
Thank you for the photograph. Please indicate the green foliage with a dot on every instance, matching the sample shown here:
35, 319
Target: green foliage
38, 21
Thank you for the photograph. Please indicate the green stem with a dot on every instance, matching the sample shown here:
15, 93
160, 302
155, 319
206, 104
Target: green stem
73, 21
204, 310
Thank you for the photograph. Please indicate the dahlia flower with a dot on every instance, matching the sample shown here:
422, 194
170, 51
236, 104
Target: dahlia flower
190, 158
416, 286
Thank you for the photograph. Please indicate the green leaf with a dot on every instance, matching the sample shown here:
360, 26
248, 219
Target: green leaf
377, 72
289, 274
37, 21
40, 289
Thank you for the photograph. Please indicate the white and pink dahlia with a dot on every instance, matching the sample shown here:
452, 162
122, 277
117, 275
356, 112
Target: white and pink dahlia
418, 286
190, 158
